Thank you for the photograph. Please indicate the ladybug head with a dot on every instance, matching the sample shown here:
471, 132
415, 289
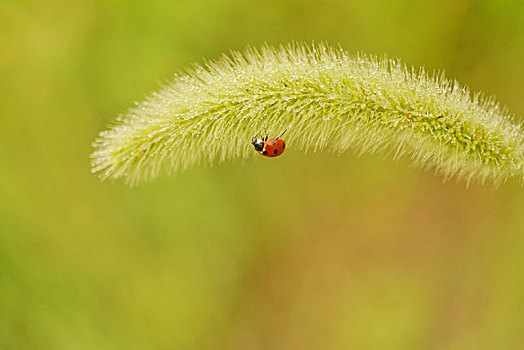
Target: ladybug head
258, 143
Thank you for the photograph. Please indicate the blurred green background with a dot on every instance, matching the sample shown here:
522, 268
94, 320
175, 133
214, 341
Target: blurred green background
309, 251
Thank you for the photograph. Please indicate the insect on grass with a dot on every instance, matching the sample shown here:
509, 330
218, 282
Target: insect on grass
327, 100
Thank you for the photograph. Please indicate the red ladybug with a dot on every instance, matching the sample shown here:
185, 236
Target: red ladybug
271, 147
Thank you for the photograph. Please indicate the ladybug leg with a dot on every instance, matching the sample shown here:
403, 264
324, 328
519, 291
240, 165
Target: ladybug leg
282, 134
264, 138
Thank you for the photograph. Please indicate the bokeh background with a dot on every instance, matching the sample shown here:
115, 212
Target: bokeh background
309, 251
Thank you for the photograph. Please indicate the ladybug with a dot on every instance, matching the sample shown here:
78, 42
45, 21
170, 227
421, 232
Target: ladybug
271, 147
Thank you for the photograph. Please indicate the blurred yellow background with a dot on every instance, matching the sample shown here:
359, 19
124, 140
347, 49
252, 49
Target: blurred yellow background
309, 251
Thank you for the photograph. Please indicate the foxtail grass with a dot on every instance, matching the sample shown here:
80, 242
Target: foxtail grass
327, 100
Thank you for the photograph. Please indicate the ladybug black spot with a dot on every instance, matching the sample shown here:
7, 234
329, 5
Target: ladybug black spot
264, 153
275, 151
283, 145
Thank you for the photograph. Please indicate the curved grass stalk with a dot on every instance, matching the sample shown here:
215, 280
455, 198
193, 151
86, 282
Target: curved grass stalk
327, 100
